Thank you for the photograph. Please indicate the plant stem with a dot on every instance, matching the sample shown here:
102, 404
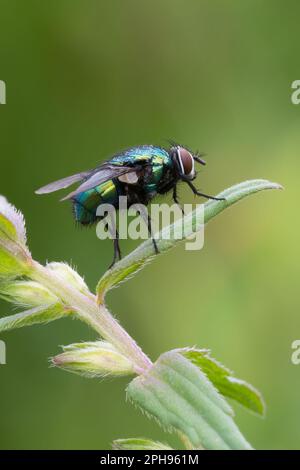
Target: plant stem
97, 316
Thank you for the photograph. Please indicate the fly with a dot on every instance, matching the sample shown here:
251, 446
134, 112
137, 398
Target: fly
139, 173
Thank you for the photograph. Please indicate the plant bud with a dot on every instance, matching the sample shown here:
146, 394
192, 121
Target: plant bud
69, 275
93, 359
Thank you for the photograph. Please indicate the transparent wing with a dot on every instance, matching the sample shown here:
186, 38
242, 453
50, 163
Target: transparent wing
63, 183
104, 173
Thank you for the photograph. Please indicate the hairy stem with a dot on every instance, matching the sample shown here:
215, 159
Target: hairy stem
97, 316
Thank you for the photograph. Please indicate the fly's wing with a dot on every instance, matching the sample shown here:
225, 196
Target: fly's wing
63, 183
92, 178
103, 174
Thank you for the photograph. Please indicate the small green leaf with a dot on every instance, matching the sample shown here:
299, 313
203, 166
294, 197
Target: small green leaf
10, 265
43, 314
12, 224
139, 444
7, 229
181, 397
145, 252
14, 254
93, 359
225, 382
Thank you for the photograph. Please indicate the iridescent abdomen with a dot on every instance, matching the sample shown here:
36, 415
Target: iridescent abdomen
85, 204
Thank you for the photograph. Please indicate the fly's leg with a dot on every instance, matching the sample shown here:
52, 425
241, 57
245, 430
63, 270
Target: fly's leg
117, 246
111, 224
117, 251
151, 235
144, 214
175, 199
195, 191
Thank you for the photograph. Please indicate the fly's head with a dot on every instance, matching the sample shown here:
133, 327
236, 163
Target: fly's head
184, 162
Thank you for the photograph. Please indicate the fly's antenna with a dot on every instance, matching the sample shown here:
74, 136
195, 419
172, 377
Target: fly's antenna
199, 160
198, 157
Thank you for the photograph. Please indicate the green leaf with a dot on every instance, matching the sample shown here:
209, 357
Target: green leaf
225, 382
145, 252
43, 314
180, 396
12, 225
139, 444
10, 265
7, 229
14, 254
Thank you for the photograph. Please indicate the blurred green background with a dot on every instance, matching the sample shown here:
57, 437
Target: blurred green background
88, 78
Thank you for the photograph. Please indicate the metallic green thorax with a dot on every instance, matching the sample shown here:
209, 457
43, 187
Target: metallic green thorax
158, 162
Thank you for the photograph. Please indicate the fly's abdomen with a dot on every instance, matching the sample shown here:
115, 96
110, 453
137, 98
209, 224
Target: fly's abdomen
85, 204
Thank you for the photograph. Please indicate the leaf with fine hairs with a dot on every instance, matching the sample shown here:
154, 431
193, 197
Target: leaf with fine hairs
225, 381
33, 316
144, 253
180, 397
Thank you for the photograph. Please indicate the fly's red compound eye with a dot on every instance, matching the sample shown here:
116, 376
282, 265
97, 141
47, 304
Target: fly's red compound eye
186, 162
